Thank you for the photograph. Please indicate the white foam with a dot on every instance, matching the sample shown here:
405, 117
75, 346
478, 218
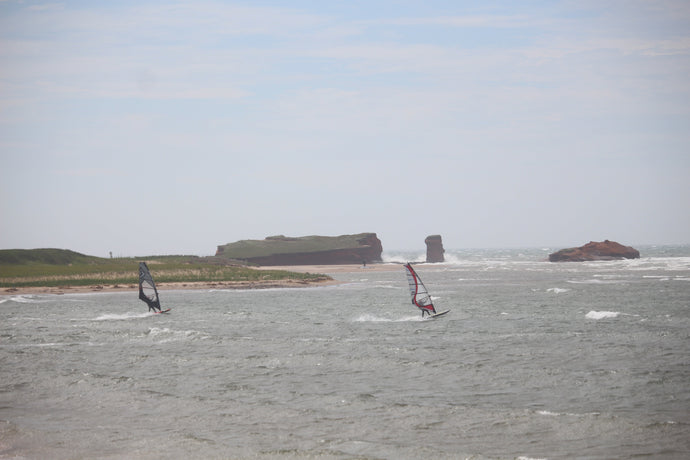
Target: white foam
601, 314
403, 257
24, 299
159, 331
596, 281
556, 290
369, 318
165, 334
119, 317
566, 414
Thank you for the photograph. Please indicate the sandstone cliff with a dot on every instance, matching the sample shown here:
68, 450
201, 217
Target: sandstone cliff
306, 250
604, 250
434, 249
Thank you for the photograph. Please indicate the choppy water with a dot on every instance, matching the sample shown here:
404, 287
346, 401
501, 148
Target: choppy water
535, 360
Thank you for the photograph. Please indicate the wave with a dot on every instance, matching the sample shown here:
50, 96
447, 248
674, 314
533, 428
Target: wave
567, 414
403, 257
120, 317
26, 298
369, 318
602, 314
598, 281
536, 259
164, 334
556, 290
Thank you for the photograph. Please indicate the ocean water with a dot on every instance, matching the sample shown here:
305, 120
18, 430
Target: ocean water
535, 360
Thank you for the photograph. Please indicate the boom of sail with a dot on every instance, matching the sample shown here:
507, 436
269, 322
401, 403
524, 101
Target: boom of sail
147, 288
420, 296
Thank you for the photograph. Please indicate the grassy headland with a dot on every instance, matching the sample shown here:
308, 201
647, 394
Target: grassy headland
63, 268
280, 244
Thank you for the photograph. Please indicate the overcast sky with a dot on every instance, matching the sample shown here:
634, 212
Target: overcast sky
170, 127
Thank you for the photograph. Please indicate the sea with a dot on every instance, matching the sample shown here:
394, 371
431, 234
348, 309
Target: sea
534, 360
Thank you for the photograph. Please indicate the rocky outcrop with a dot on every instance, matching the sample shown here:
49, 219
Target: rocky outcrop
604, 250
306, 250
434, 249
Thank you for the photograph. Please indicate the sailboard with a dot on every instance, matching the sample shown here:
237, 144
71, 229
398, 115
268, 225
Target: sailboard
420, 296
147, 289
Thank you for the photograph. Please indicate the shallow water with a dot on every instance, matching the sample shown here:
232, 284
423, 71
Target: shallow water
535, 360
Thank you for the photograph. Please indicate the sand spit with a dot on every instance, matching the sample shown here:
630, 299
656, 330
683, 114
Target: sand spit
204, 285
207, 285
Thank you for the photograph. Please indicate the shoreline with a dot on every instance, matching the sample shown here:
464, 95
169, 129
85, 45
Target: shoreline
337, 268
162, 287
206, 285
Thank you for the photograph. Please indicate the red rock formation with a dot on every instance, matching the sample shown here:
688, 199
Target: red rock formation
604, 250
434, 249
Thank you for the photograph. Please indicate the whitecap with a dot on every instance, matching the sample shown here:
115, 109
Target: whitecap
548, 413
369, 318
556, 290
24, 299
601, 314
119, 317
165, 334
597, 281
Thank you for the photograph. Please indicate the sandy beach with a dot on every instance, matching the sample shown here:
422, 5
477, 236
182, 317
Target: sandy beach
324, 269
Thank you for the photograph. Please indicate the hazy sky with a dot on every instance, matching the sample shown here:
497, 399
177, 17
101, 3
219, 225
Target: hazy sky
168, 127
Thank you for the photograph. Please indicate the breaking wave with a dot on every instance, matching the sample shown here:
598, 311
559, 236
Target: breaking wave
602, 314
120, 317
369, 318
165, 334
28, 298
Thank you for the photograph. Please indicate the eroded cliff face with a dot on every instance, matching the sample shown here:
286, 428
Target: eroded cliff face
434, 249
602, 250
307, 250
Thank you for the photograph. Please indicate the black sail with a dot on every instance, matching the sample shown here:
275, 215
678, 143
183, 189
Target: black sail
147, 288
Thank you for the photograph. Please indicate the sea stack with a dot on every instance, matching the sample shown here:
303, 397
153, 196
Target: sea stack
595, 250
434, 249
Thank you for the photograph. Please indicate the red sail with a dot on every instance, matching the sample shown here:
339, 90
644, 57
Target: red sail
420, 296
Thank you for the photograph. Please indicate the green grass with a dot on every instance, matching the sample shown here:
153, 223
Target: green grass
246, 249
57, 267
43, 256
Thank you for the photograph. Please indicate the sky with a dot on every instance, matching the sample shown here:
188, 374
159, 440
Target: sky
171, 127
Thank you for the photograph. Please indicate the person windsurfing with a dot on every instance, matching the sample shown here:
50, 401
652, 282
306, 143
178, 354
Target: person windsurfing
147, 289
